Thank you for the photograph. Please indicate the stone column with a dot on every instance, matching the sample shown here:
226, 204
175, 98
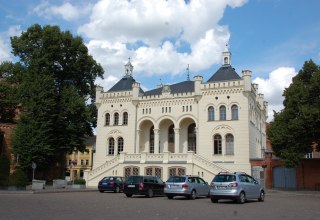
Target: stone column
156, 140
176, 140
137, 142
115, 147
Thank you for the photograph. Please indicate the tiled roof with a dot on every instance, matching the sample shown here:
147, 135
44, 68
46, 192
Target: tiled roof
124, 84
225, 73
182, 87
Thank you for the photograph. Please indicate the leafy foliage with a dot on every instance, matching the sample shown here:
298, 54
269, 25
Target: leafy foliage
295, 130
9, 75
55, 87
18, 178
79, 181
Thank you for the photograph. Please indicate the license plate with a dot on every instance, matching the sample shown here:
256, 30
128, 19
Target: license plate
131, 186
221, 187
174, 186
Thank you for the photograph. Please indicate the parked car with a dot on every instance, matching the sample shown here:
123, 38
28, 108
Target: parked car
236, 186
111, 183
188, 186
143, 185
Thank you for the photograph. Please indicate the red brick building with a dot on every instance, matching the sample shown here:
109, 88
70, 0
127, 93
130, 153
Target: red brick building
305, 176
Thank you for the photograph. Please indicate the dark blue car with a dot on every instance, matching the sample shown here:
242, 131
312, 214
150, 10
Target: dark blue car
111, 183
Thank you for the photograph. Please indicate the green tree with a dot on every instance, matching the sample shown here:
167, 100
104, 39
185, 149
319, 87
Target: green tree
9, 74
56, 92
296, 128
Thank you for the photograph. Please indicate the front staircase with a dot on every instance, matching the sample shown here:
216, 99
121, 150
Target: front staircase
194, 164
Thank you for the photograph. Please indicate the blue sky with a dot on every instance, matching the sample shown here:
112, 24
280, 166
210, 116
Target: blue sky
272, 38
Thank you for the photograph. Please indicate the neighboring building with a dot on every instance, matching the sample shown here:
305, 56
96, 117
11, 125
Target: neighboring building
277, 175
77, 162
192, 127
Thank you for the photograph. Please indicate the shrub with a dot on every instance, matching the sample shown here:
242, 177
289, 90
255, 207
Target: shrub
79, 181
18, 178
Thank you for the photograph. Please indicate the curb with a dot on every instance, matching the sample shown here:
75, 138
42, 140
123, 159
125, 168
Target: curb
68, 190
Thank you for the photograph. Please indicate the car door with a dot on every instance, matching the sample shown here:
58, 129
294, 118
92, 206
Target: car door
160, 185
254, 187
203, 187
245, 184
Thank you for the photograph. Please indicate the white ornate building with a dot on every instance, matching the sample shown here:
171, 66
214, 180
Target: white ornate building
193, 127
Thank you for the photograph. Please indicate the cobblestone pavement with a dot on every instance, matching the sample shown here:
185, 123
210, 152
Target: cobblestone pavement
89, 203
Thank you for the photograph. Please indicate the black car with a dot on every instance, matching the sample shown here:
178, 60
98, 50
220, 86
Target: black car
143, 185
111, 183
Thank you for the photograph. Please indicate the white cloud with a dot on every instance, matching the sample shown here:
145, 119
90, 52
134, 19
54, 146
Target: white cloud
151, 32
67, 11
14, 31
4, 51
273, 87
108, 82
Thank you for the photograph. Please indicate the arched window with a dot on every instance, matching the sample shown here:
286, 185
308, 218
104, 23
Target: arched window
116, 118
234, 112
120, 145
125, 118
192, 138
229, 144
210, 113
223, 115
151, 140
111, 146
107, 119
217, 144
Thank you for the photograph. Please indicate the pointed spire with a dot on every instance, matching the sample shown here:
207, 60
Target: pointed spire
188, 73
128, 68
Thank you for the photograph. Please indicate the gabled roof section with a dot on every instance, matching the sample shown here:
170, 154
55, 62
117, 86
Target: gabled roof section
225, 73
125, 84
182, 87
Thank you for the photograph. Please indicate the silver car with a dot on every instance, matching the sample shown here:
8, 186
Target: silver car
236, 186
188, 186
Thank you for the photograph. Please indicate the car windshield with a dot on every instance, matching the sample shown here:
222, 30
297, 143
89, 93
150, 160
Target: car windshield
134, 179
177, 179
108, 179
224, 178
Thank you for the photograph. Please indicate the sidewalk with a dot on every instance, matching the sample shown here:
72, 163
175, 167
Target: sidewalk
293, 192
49, 189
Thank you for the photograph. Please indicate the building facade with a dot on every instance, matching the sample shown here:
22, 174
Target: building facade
77, 162
193, 127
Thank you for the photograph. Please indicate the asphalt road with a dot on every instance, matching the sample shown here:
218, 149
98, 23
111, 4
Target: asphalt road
95, 205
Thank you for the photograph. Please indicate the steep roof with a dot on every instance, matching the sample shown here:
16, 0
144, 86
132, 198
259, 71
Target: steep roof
124, 84
224, 73
182, 87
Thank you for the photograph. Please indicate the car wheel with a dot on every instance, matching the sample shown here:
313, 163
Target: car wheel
150, 193
242, 198
193, 195
213, 200
261, 198
170, 197
128, 195
117, 189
